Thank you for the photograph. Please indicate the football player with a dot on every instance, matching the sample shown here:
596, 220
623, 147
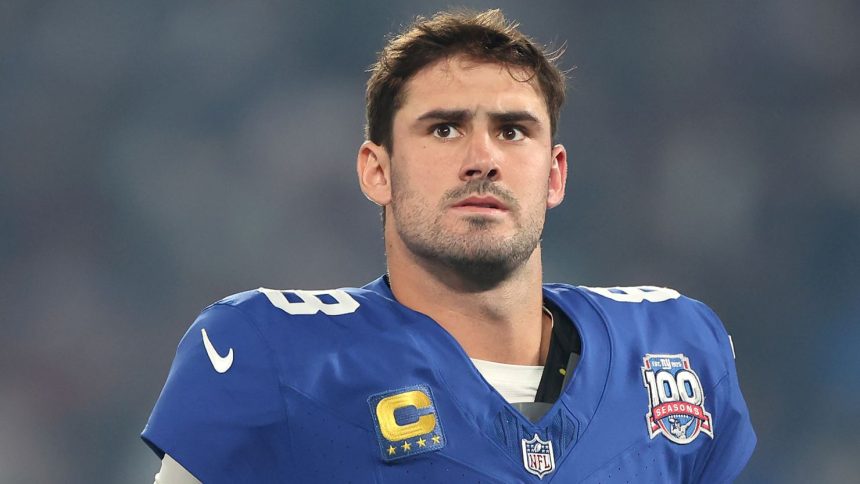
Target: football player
459, 364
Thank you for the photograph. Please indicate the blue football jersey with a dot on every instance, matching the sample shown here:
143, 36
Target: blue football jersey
348, 385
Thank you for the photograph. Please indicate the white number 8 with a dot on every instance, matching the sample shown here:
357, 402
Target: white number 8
311, 304
636, 294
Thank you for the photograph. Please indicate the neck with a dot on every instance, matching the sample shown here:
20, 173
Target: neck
494, 319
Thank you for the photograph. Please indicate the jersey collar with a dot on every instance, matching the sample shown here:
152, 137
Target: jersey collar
580, 398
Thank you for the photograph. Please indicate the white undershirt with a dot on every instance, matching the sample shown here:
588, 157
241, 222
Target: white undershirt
172, 472
516, 383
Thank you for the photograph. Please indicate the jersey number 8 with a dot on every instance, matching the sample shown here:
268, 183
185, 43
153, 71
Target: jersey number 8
311, 303
636, 294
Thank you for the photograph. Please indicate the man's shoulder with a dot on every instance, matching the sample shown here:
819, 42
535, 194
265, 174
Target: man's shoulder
297, 311
651, 319
625, 296
264, 302
655, 310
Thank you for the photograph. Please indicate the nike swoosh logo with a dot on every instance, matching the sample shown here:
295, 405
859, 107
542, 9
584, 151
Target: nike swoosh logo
220, 363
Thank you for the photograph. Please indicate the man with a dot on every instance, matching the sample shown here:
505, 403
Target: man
459, 365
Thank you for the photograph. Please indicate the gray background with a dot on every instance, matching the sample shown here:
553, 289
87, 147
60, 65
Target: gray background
159, 155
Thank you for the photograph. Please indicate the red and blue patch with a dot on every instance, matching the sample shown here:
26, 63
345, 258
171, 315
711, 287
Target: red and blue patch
676, 399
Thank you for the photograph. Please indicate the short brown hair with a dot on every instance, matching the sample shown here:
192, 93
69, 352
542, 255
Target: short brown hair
482, 36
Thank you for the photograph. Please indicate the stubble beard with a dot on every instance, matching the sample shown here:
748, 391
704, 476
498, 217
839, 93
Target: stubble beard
474, 252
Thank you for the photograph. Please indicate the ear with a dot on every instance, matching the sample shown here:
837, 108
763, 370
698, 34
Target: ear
373, 167
557, 177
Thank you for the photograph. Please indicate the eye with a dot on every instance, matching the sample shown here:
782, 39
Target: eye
445, 131
511, 133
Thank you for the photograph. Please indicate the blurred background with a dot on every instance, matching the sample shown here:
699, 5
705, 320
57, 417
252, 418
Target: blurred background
157, 156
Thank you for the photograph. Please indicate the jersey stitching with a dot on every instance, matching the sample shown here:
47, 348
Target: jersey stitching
611, 460
270, 351
328, 409
603, 320
704, 466
468, 466
469, 417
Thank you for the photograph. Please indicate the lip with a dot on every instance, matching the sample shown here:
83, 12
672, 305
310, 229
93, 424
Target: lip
481, 204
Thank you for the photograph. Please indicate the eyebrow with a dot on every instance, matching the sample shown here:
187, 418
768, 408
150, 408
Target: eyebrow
463, 115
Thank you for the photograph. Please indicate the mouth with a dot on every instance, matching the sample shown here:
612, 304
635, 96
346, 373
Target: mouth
483, 204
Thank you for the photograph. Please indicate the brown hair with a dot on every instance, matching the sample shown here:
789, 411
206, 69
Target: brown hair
484, 36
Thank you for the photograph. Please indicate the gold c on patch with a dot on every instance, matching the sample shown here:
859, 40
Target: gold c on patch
406, 422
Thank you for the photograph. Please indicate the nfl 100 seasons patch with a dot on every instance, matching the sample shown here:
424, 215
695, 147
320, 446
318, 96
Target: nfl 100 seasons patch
406, 422
677, 401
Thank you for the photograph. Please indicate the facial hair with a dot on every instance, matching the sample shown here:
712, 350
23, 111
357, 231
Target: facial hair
476, 253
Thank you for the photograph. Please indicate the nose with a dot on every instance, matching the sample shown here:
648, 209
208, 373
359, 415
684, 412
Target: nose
481, 159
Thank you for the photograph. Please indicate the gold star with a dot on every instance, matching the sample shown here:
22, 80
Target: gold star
436, 439
391, 450
407, 446
422, 443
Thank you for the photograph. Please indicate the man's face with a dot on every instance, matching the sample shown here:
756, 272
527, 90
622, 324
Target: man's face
473, 169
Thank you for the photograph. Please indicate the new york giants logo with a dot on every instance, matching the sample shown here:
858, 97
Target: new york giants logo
676, 407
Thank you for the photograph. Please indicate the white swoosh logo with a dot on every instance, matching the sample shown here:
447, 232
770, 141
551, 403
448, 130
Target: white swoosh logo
220, 363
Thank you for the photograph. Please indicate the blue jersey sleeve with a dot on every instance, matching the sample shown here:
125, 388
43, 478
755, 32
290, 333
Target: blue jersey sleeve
734, 437
220, 413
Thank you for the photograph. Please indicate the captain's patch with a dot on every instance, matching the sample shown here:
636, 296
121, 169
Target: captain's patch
406, 422
677, 402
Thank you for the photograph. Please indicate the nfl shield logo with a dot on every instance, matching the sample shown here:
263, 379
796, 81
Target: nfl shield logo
538, 457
